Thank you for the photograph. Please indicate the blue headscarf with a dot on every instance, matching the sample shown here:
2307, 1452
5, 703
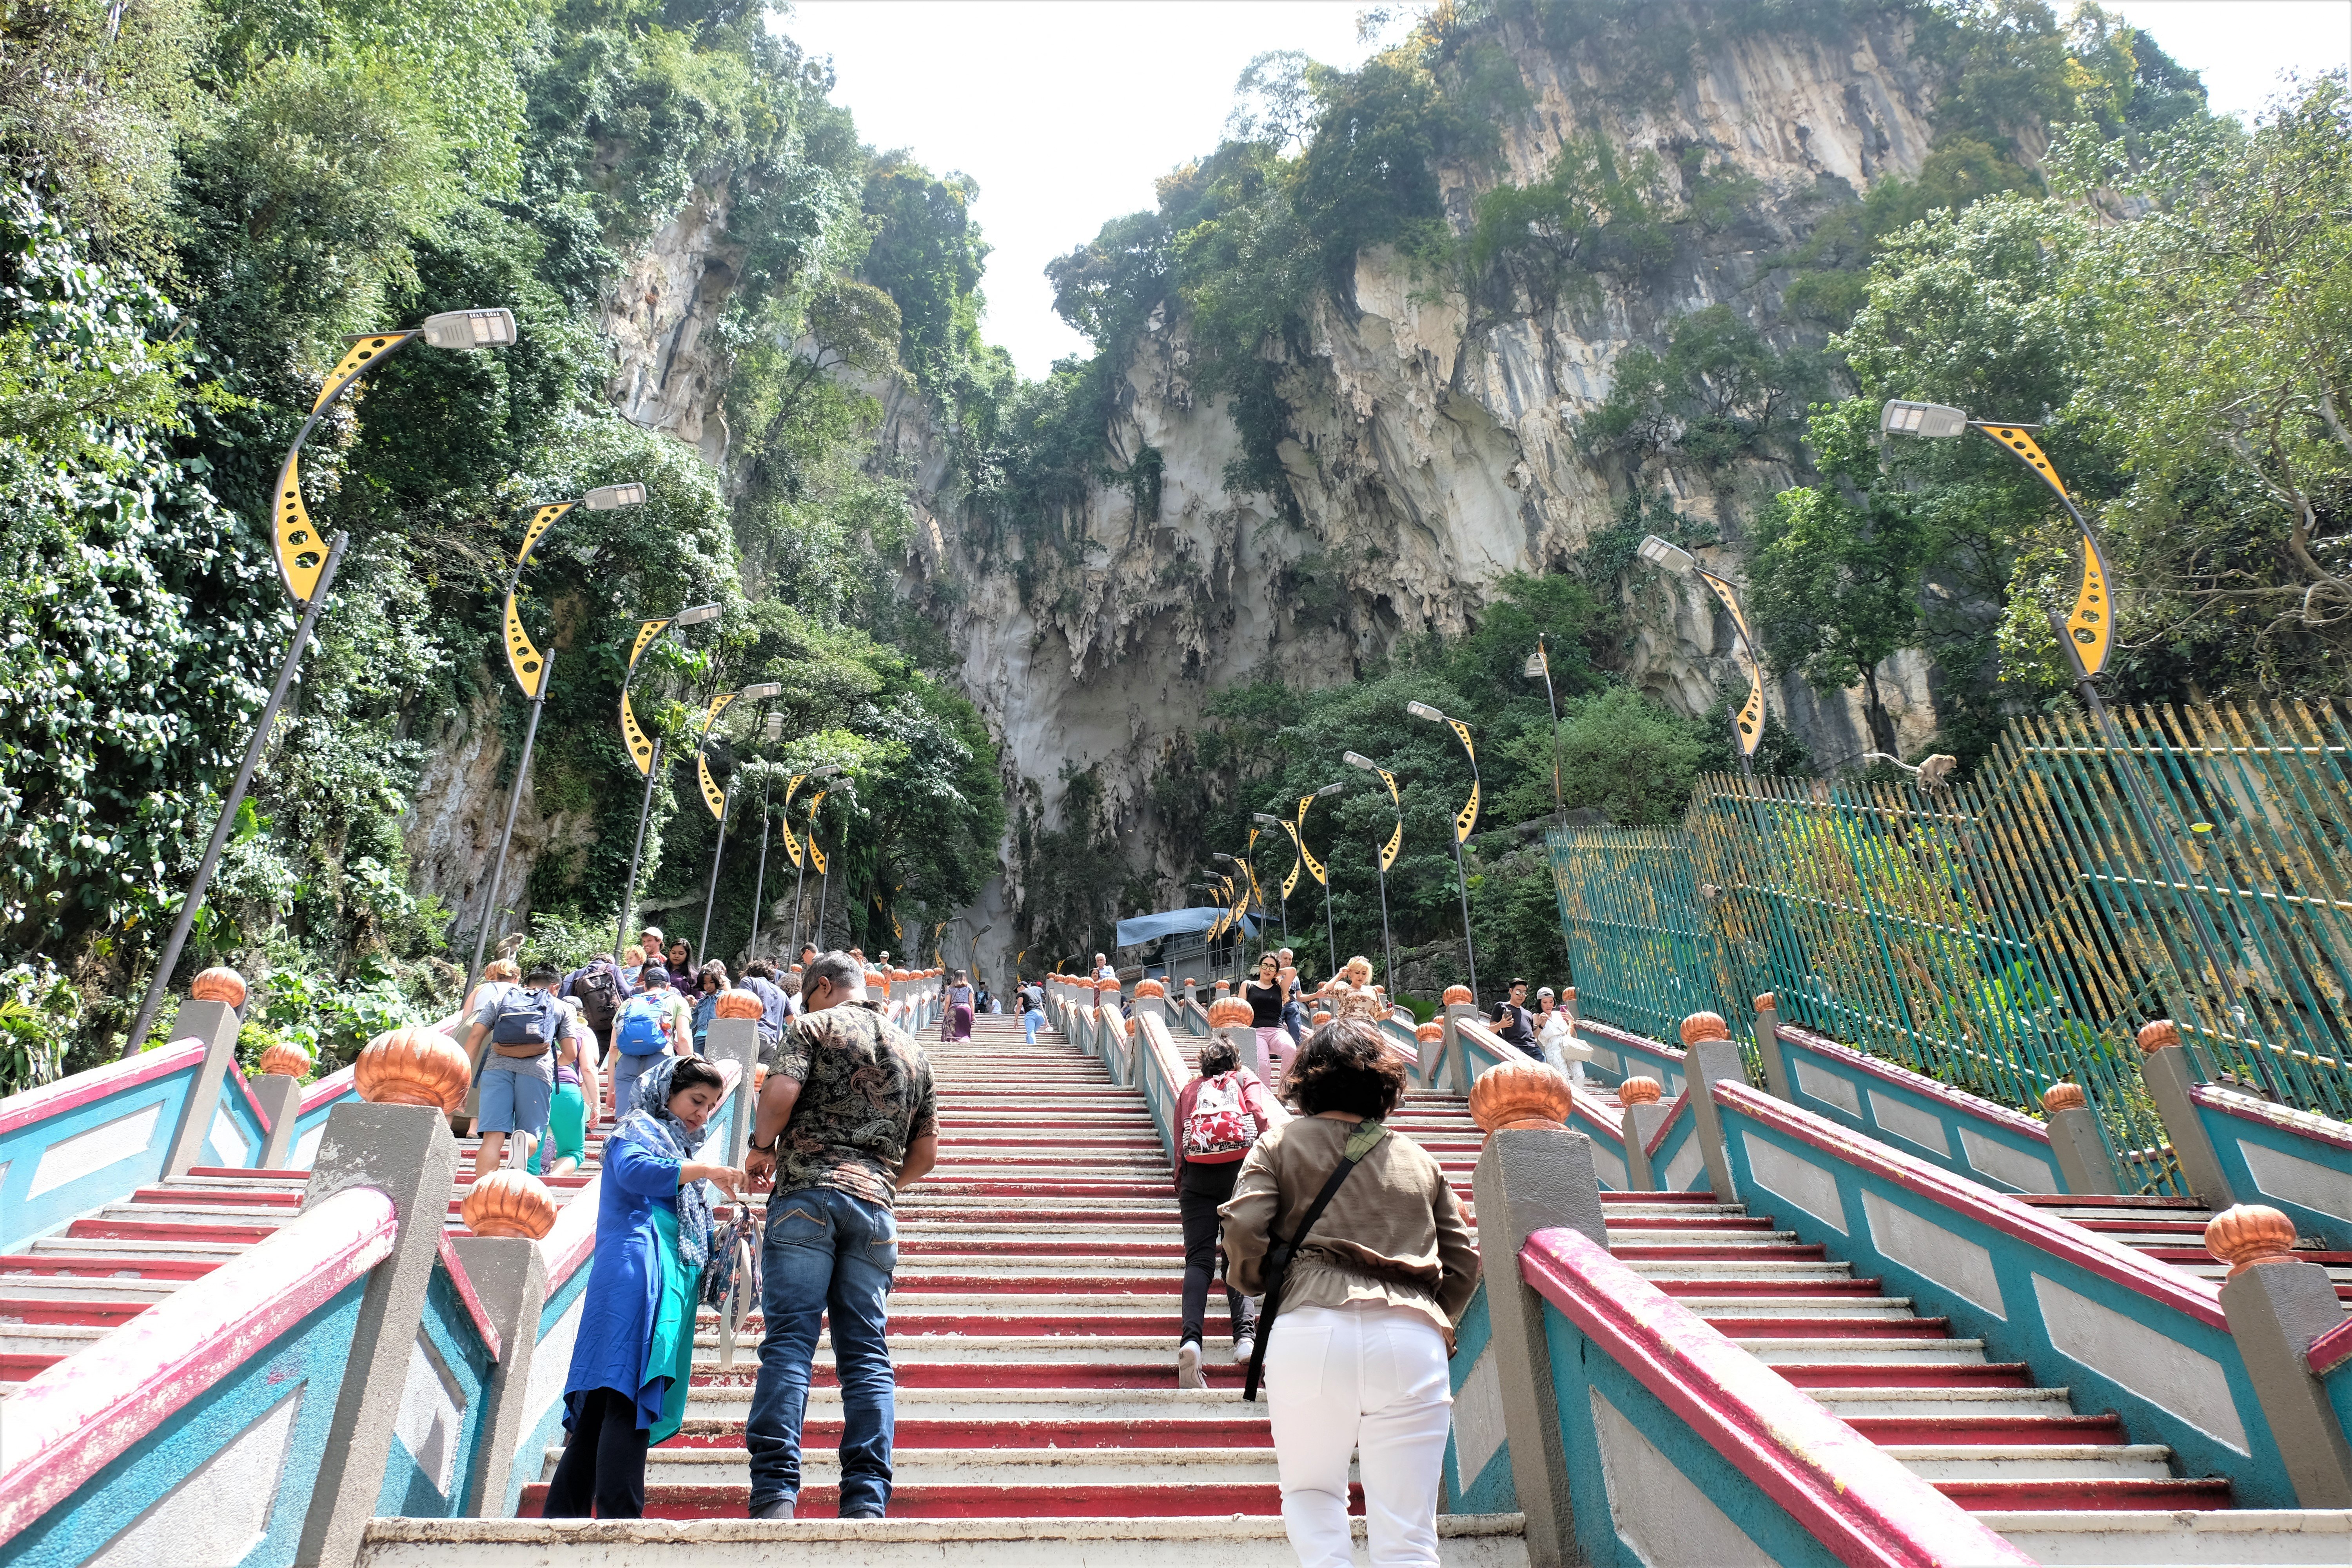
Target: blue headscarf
653, 1129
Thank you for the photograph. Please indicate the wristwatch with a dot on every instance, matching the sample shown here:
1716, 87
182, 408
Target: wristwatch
757, 1147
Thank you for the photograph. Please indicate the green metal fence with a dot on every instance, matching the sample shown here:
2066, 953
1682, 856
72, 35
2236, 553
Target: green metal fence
2005, 934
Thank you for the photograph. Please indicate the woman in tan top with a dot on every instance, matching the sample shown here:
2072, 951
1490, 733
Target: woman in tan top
1355, 1358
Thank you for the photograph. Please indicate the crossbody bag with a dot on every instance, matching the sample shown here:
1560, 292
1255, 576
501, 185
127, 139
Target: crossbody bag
1362, 1142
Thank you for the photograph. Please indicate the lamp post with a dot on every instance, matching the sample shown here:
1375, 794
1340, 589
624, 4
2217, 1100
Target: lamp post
2088, 634
1463, 821
533, 670
1216, 927
308, 575
792, 846
1386, 858
1263, 820
1539, 663
1321, 873
771, 732
645, 752
717, 799
1747, 724
824, 867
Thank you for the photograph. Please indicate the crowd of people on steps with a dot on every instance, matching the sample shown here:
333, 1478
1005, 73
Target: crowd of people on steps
1345, 1259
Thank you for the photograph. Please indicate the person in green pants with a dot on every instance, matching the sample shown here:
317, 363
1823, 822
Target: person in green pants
576, 1089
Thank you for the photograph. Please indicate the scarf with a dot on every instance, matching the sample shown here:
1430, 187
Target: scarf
653, 1128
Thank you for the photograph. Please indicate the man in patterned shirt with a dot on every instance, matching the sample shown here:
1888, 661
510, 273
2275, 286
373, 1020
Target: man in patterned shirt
846, 1118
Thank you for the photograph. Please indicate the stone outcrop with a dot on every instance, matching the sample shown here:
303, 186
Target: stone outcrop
1429, 454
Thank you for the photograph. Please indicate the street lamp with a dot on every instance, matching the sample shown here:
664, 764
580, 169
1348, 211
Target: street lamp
2087, 634
1539, 663
1217, 896
1748, 723
1262, 820
307, 577
824, 867
533, 670
1463, 821
1321, 873
645, 751
717, 799
1385, 859
792, 846
771, 731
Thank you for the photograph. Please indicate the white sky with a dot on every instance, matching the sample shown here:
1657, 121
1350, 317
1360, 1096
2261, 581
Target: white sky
1066, 111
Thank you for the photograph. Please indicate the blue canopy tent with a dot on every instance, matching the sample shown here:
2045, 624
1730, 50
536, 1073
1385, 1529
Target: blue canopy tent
1141, 929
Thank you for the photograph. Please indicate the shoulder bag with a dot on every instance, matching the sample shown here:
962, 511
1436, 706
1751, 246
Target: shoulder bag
1362, 1142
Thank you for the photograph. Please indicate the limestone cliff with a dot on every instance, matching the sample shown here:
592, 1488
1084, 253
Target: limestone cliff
1431, 456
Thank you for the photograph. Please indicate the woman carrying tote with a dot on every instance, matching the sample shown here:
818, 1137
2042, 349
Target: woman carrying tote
633, 1358
1357, 1336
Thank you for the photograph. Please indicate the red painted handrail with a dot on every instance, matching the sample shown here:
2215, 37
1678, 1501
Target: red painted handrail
2332, 1349
2111, 1260
1838, 1486
72, 1420
29, 1106
2286, 1119
464, 1282
1959, 1100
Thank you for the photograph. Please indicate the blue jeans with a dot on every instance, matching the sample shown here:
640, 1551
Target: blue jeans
1029, 1022
826, 1255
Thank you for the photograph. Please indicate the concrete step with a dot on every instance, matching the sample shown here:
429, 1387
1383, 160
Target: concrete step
2225, 1538
1166, 1408
2067, 1461
1071, 1470
1464, 1540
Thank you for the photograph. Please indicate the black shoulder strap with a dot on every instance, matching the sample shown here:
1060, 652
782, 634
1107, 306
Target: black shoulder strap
1360, 1143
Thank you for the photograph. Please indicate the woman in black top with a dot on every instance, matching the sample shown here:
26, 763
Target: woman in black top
1274, 1046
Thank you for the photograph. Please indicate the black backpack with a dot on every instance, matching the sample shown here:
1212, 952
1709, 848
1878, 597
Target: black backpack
597, 989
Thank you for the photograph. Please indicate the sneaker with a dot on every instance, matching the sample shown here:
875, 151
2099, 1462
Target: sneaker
779, 1508
1187, 1365
1245, 1346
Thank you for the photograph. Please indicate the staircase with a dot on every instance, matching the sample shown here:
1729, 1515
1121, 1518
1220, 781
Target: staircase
67, 1290
2172, 1230
1033, 1326
2064, 1485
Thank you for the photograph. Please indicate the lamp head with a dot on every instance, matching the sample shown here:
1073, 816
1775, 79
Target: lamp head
760, 692
694, 614
775, 728
1262, 820
466, 329
613, 498
1423, 710
1933, 420
1672, 557
826, 772
1221, 854
1357, 760
1534, 668
1328, 790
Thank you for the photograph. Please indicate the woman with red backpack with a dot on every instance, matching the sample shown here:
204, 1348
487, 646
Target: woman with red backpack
1219, 1115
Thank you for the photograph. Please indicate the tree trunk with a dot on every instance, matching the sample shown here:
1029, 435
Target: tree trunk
1882, 728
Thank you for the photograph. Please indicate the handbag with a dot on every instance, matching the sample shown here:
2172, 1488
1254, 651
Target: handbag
1362, 1142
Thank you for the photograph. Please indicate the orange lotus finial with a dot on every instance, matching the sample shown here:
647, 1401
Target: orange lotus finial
220, 983
1640, 1091
2156, 1033
2250, 1234
1523, 1093
509, 1203
2060, 1097
1704, 1027
413, 1067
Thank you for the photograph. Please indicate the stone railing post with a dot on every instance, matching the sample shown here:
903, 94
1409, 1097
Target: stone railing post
1643, 1116
735, 1038
208, 1015
1429, 1049
511, 1277
1711, 1058
1458, 1006
1768, 1048
2083, 1164
277, 1090
1191, 990
1533, 1175
406, 1152
2277, 1307
1151, 999
2164, 1067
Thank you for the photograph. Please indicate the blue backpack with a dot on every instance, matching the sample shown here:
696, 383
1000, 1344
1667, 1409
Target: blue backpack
644, 1030
525, 1019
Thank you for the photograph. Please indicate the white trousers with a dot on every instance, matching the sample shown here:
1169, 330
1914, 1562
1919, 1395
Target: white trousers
1372, 1380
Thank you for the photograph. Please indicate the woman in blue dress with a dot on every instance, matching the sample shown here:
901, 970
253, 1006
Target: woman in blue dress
633, 1358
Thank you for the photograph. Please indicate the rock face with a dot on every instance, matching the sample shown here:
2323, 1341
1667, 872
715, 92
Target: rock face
1433, 456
